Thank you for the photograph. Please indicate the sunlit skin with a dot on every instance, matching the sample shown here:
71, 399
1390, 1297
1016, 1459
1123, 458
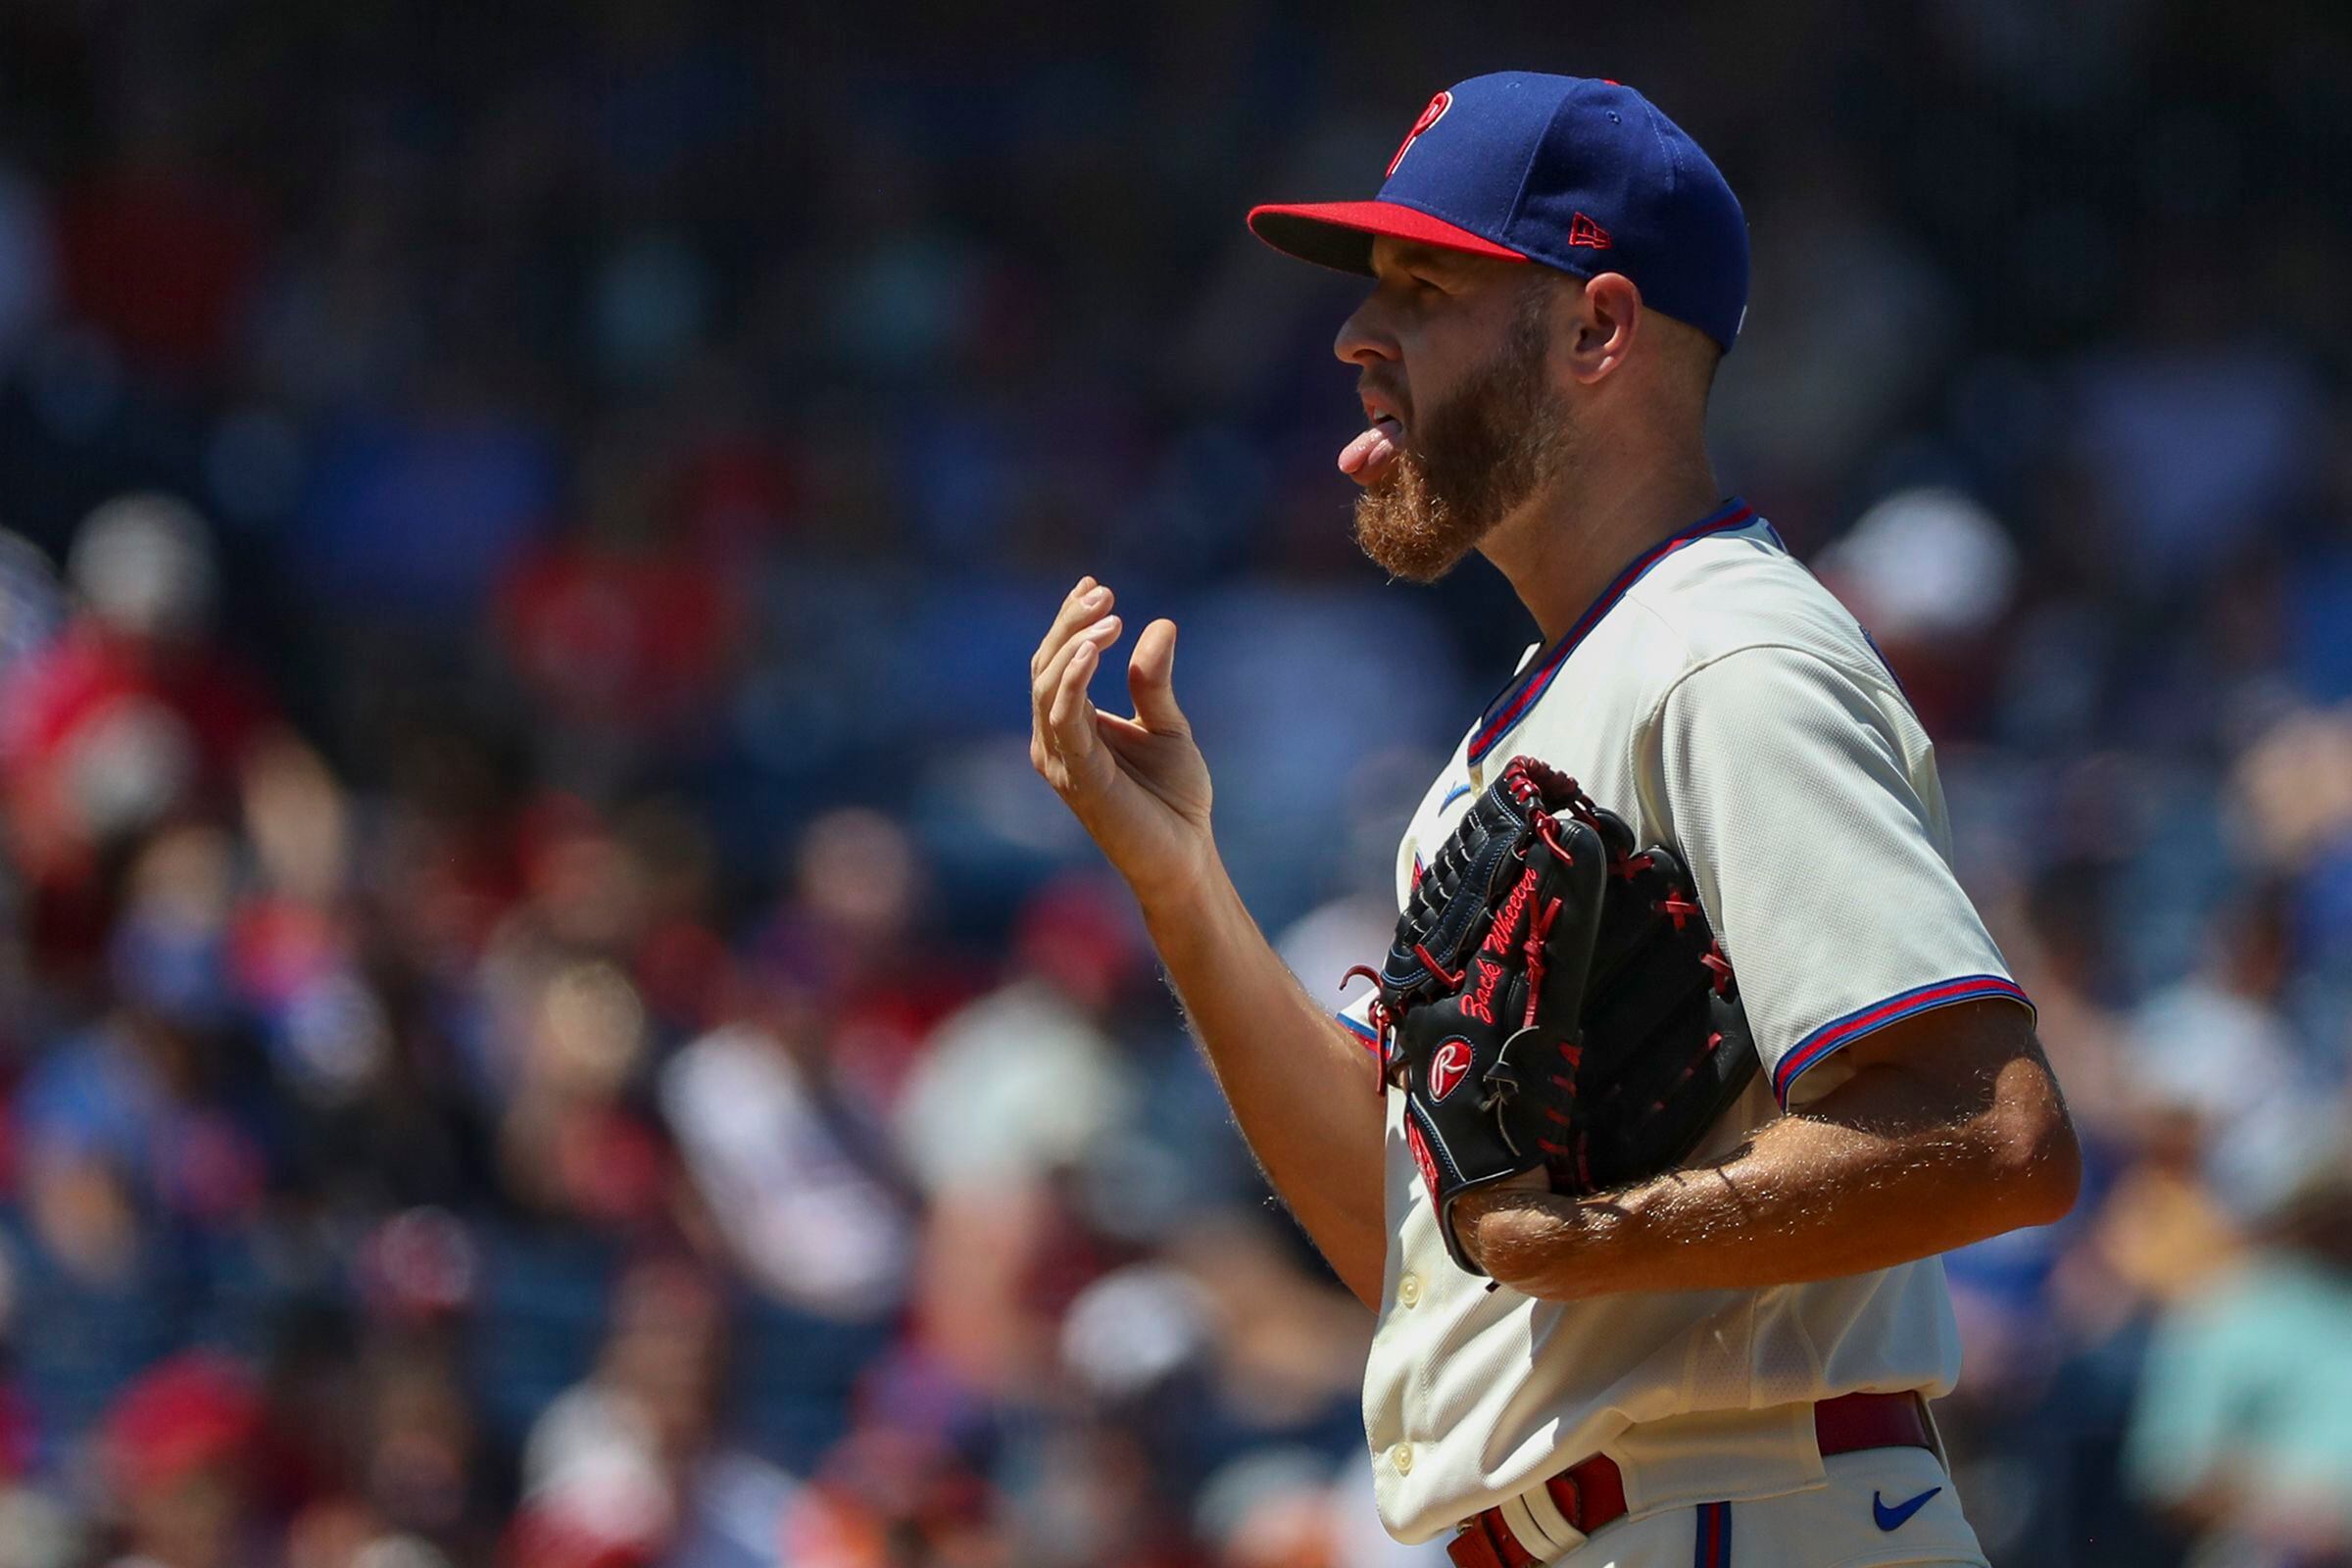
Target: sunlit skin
1948, 1128
1497, 436
1623, 392
1431, 319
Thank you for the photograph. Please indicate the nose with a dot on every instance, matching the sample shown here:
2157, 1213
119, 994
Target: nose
1364, 337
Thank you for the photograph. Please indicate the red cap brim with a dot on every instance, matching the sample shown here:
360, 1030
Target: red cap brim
1339, 234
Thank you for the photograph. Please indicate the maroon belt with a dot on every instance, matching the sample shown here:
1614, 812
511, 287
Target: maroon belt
1591, 1494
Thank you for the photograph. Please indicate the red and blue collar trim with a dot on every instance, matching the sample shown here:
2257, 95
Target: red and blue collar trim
1518, 699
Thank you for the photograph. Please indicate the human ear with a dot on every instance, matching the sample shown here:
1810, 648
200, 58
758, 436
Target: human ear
1601, 327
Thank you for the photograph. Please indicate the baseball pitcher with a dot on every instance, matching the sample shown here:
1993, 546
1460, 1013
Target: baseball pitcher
1689, 1054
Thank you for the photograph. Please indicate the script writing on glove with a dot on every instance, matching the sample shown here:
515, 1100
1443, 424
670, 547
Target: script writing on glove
1555, 998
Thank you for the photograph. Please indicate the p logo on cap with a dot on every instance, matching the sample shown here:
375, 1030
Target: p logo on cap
1579, 173
1429, 117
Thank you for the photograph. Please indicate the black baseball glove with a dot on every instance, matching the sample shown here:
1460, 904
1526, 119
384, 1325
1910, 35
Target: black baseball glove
1555, 998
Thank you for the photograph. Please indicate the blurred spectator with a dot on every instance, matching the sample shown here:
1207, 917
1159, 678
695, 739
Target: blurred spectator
887, 1497
1019, 1082
2216, 1051
133, 714
571, 1141
2240, 1432
612, 1472
853, 933
394, 1486
619, 638
795, 1175
1271, 1509
31, 603
1012, 1093
1930, 575
293, 949
178, 1453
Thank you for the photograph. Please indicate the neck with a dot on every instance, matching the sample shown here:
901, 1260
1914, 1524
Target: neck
1562, 549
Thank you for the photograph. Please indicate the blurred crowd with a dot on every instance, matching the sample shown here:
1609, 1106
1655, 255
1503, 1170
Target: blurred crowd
546, 1021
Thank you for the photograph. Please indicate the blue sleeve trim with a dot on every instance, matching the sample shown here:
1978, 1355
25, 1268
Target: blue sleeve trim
1825, 1042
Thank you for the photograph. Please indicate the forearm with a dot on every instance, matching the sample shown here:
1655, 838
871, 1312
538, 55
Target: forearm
1301, 1087
1298, 1082
1808, 1197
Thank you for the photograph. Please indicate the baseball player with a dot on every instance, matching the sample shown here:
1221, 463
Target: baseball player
1727, 1359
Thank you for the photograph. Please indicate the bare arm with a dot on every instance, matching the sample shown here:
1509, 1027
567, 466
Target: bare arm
1950, 1130
1302, 1088
1299, 1083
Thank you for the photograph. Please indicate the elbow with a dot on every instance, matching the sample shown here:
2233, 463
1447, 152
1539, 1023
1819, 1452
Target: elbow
2062, 1177
1529, 1241
2037, 1165
1511, 1246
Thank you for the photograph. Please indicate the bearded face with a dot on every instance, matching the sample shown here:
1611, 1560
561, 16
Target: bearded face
1474, 458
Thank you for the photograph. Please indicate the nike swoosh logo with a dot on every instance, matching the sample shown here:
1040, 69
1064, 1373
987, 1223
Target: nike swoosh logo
1900, 1515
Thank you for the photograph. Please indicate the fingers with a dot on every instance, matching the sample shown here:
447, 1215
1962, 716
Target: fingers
1068, 719
1064, 649
1082, 611
1152, 679
1089, 641
1081, 606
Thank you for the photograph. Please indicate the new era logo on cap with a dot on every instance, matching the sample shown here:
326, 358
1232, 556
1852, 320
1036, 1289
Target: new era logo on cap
1577, 174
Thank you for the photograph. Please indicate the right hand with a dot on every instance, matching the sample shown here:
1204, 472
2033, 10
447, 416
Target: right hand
1139, 785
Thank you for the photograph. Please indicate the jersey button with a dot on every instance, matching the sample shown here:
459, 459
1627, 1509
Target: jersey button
1402, 1456
1408, 1291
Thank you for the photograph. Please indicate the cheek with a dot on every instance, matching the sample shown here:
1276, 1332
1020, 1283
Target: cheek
1439, 361
1443, 344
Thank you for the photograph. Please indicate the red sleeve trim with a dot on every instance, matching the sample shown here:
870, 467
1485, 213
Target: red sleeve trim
1826, 1041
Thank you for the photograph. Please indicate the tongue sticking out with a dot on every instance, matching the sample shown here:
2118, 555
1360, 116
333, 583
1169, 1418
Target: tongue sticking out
1366, 458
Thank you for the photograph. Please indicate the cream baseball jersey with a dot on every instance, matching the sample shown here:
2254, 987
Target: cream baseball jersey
1723, 701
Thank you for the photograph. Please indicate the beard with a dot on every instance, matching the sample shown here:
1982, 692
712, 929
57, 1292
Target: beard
1475, 459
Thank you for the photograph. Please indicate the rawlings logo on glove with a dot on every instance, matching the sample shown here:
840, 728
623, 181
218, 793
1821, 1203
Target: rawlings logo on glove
1447, 1067
1553, 1000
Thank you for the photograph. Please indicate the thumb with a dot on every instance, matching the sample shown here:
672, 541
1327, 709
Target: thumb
1152, 679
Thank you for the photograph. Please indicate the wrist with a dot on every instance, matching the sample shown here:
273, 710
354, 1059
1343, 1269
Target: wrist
1178, 895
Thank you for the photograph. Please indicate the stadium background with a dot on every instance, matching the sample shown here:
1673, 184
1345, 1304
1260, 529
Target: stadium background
546, 1021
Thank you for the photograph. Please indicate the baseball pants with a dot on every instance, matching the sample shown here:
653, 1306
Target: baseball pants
1883, 1508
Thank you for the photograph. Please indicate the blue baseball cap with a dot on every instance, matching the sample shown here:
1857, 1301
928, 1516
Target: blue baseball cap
1580, 174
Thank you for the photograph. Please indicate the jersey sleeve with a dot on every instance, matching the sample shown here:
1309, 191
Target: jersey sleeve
1804, 801
1357, 1019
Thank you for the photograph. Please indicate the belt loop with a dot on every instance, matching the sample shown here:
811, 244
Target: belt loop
1557, 1525
1927, 1416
